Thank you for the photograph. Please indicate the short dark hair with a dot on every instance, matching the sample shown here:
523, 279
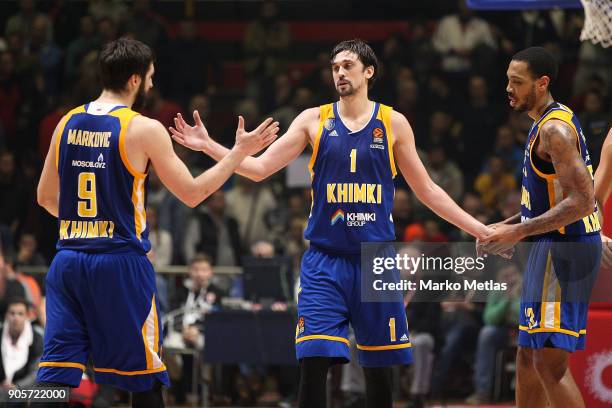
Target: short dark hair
364, 53
16, 301
540, 62
122, 58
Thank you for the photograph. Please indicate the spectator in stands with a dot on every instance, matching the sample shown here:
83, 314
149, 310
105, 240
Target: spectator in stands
47, 53
500, 317
506, 147
161, 109
187, 65
10, 287
21, 347
107, 30
171, 214
86, 42
409, 103
402, 212
595, 123
48, 124
463, 39
494, 183
266, 44
249, 203
199, 297
302, 99
27, 252
23, 21
161, 240
11, 96
113, 9
480, 116
445, 173
211, 231
145, 24
424, 317
12, 205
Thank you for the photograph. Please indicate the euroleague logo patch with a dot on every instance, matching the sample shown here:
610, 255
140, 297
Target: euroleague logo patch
301, 325
329, 124
377, 139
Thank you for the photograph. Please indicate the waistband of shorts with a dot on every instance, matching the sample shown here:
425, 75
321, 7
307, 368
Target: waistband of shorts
335, 252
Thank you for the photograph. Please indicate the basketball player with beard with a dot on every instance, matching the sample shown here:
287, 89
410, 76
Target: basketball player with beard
559, 217
101, 294
356, 145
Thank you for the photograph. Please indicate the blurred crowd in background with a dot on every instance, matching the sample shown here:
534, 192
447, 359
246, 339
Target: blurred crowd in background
444, 69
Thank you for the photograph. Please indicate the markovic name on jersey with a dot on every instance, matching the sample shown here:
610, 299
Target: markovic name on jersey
89, 139
354, 193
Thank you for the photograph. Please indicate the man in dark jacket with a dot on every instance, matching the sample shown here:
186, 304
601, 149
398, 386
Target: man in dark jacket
21, 346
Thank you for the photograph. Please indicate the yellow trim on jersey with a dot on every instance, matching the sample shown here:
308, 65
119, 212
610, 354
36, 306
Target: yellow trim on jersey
557, 306
553, 198
140, 213
60, 130
565, 115
61, 364
140, 372
151, 350
388, 347
322, 337
384, 113
325, 112
553, 330
125, 115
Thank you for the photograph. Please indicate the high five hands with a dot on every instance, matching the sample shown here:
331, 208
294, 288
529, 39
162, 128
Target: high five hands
196, 137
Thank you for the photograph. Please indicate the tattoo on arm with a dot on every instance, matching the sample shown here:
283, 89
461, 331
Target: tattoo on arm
558, 141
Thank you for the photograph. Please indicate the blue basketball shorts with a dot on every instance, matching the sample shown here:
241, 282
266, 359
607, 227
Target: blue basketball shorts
102, 306
557, 284
330, 298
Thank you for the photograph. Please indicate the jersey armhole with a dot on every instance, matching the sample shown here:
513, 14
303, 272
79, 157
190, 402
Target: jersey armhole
566, 118
385, 116
125, 116
60, 131
325, 112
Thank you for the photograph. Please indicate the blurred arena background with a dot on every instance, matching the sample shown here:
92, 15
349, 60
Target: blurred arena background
227, 269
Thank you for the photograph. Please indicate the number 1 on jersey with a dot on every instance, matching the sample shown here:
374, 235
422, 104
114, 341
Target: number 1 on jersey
87, 191
392, 329
353, 160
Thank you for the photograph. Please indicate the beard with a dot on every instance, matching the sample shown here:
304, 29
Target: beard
140, 99
529, 103
348, 89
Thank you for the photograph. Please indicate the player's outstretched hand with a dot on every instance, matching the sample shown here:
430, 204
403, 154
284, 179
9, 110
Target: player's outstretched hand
500, 241
606, 252
193, 137
255, 140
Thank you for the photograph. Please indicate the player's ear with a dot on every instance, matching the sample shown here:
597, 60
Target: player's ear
369, 72
543, 82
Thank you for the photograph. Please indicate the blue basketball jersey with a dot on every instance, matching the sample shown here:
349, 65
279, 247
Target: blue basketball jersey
352, 182
102, 197
541, 189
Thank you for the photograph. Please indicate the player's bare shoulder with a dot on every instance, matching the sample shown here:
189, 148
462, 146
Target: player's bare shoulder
555, 135
400, 127
308, 122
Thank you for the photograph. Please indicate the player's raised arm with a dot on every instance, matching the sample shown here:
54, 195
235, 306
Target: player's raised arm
428, 192
47, 193
277, 156
153, 138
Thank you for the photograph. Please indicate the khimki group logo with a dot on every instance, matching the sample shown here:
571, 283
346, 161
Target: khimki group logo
337, 216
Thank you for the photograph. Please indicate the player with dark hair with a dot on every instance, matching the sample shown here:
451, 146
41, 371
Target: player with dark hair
559, 216
101, 294
356, 143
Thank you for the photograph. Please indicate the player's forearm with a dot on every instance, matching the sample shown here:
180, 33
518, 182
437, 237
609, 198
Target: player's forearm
249, 167
439, 202
212, 179
512, 220
569, 210
49, 203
